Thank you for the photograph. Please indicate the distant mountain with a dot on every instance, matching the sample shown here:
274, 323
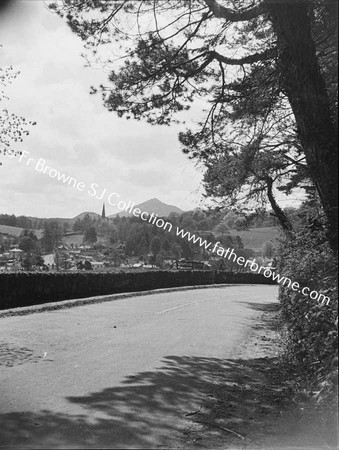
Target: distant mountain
36, 223
152, 206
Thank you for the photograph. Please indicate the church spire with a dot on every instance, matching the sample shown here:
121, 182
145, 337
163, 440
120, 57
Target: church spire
103, 214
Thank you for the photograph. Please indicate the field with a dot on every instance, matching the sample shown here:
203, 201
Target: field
16, 231
254, 238
76, 239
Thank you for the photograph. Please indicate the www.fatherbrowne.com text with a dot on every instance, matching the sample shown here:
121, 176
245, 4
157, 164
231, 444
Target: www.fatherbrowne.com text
114, 199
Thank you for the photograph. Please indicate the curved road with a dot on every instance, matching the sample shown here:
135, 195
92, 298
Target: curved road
119, 374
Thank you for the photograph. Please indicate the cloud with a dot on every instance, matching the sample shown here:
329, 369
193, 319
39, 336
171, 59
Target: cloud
74, 132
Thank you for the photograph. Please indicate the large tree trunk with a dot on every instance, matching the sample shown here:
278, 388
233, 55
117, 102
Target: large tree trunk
304, 85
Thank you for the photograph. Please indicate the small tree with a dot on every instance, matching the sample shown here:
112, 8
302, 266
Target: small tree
155, 245
90, 236
238, 243
159, 260
222, 229
87, 265
166, 247
52, 235
267, 250
116, 255
176, 251
27, 262
28, 245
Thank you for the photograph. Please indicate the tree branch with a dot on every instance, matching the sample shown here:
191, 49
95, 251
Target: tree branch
263, 56
296, 162
279, 213
221, 12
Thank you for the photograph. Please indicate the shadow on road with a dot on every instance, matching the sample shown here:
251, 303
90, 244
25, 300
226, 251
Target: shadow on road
188, 402
142, 412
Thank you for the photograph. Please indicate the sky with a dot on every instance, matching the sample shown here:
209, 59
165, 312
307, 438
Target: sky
75, 135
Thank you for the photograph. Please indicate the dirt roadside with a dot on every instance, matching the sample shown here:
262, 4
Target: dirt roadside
252, 405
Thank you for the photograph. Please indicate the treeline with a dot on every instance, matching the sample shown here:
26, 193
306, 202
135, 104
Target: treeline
132, 237
196, 219
32, 223
21, 221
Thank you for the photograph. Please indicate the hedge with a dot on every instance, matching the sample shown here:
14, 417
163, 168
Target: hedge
33, 288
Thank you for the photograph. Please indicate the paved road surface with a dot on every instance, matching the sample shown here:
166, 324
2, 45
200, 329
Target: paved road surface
120, 374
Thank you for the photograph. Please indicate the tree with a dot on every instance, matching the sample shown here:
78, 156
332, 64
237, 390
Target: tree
141, 247
249, 173
230, 218
166, 247
226, 241
155, 245
83, 224
181, 50
90, 235
267, 250
130, 245
174, 218
6, 219
117, 255
188, 222
80, 265
203, 225
113, 239
28, 245
241, 223
186, 250
39, 261
27, 262
87, 265
138, 240
52, 236
77, 225
13, 127
222, 229
238, 243
176, 251
31, 260
159, 260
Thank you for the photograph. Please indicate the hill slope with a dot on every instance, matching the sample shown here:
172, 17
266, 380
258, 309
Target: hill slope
254, 238
92, 215
17, 231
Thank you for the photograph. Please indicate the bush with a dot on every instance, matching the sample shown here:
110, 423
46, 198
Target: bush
312, 337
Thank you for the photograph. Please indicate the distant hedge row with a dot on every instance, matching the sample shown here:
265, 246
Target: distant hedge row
25, 289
